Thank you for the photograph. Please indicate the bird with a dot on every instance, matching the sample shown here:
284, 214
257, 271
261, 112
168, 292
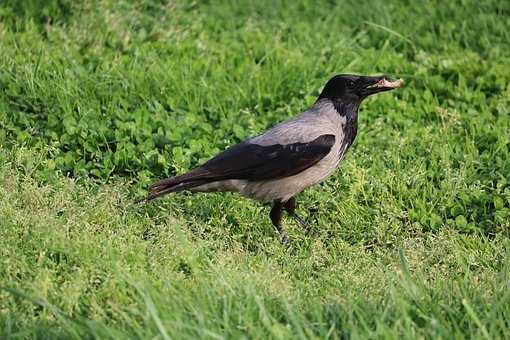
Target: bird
277, 165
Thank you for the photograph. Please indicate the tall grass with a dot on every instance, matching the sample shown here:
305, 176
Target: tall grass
99, 98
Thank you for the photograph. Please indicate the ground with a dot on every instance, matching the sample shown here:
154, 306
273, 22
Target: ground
99, 99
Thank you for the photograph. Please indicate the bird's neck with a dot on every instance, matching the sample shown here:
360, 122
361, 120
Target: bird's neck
343, 113
349, 111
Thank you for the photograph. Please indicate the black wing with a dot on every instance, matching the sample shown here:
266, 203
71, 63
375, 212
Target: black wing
255, 162
251, 162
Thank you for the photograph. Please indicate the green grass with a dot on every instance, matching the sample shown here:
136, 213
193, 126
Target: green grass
98, 99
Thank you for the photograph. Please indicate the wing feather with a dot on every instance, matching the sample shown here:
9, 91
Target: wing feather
256, 162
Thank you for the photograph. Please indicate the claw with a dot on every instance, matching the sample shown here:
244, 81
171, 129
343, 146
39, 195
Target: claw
301, 221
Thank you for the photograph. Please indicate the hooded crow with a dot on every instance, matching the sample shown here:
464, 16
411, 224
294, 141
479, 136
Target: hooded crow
290, 157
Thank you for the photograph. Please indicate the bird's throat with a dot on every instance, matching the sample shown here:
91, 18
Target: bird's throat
346, 109
349, 110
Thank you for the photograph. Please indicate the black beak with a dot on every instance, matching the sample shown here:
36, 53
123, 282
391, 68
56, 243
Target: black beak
375, 85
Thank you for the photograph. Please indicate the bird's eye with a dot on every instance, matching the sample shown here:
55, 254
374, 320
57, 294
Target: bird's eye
350, 83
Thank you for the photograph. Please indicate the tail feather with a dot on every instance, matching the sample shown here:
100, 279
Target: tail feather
191, 179
160, 189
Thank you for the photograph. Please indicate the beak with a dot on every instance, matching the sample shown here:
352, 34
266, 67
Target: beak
380, 84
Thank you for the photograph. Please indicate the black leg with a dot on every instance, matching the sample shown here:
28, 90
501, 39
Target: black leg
276, 218
290, 207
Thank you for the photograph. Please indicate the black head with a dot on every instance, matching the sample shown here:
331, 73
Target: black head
352, 88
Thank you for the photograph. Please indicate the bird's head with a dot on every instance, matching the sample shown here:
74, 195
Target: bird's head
354, 88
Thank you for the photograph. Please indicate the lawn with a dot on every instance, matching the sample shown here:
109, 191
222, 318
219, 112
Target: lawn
100, 98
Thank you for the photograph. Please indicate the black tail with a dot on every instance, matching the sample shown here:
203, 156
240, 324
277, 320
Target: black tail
161, 188
174, 184
191, 179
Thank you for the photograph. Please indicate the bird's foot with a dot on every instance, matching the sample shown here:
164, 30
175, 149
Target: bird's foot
285, 238
276, 218
301, 221
290, 207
